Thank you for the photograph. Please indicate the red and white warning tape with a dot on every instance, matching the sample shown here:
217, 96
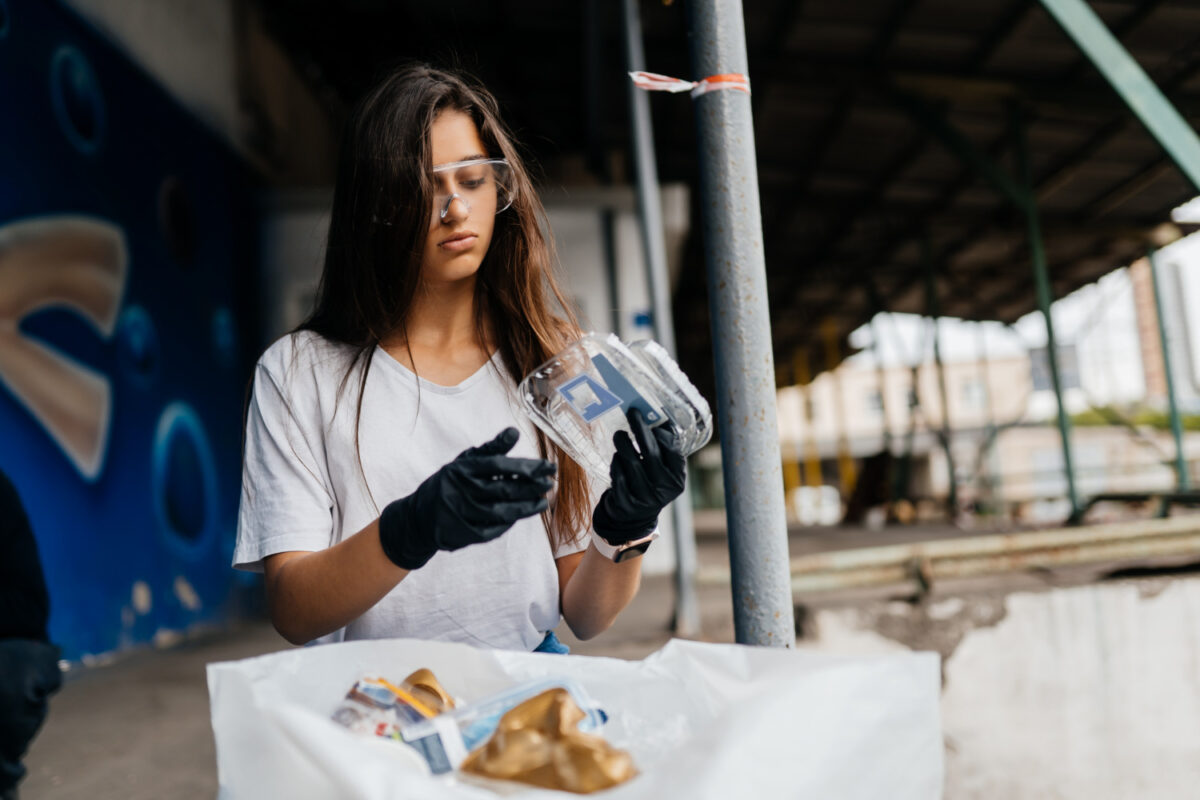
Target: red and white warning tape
653, 82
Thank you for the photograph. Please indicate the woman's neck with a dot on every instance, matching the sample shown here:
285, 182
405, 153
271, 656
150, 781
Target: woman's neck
441, 338
443, 315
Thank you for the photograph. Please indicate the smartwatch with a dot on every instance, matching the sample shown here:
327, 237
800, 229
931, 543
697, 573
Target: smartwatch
624, 550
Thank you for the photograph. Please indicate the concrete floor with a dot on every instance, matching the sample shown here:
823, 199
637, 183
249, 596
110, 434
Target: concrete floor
139, 728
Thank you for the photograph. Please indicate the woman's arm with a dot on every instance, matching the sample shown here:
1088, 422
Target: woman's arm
475, 498
595, 589
643, 481
312, 594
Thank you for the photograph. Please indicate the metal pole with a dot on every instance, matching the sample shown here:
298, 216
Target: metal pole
1181, 470
687, 608
847, 473
881, 378
609, 244
1045, 298
763, 613
934, 312
991, 438
812, 455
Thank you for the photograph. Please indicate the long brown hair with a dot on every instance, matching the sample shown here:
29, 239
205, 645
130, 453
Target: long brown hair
382, 204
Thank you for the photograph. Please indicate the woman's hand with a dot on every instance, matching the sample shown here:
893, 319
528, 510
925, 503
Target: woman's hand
644, 481
474, 498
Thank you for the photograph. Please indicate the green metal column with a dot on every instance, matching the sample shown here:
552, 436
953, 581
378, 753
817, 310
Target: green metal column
991, 439
1045, 297
1181, 469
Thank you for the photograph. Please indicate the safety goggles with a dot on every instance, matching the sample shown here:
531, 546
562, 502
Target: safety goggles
484, 185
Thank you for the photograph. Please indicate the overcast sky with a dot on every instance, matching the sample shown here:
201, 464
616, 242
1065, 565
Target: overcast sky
1098, 319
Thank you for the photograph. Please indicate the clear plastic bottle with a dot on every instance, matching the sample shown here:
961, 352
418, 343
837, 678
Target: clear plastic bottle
580, 397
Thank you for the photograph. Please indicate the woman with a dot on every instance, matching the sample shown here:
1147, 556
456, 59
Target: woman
437, 296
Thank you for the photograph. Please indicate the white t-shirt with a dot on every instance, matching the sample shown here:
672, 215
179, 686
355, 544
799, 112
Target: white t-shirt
302, 488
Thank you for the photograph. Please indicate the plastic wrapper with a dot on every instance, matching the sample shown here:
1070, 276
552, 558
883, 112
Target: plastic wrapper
539, 742
699, 720
377, 707
446, 739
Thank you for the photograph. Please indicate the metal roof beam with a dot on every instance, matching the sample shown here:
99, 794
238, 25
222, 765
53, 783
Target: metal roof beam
1144, 177
999, 34
865, 200
1058, 174
992, 42
994, 39
843, 107
960, 146
1130, 81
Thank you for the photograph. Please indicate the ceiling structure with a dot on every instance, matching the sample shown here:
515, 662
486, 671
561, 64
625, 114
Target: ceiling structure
883, 131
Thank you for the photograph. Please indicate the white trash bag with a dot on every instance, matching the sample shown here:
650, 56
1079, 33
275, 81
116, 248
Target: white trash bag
701, 720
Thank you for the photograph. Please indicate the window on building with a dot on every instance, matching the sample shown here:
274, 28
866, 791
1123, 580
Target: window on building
874, 402
1068, 368
974, 394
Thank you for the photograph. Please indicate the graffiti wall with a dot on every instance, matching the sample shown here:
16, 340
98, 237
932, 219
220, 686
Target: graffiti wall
127, 264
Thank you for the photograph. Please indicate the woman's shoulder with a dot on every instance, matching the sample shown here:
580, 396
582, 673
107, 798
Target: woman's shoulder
304, 352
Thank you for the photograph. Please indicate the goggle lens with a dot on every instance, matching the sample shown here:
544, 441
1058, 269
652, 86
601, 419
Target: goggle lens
484, 185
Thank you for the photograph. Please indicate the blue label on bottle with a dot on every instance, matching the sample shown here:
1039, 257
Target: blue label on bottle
590, 398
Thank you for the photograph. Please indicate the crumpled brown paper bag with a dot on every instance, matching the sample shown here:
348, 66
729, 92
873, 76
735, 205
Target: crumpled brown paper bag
539, 742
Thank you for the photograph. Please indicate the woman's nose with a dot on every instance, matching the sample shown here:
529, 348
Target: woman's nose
456, 208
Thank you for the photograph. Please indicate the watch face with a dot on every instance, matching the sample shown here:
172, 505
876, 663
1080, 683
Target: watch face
630, 552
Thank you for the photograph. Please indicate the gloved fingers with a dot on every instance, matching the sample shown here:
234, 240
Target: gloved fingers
498, 466
511, 512
673, 459
652, 455
629, 484
497, 527
471, 524
646, 441
487, 489
489, 532
625, 449
505, 512
502, 443
668, 438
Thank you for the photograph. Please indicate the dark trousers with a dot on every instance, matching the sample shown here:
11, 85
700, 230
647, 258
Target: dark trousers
29, 674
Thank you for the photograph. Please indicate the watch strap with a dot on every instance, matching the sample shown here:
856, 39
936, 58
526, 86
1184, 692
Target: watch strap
618, 552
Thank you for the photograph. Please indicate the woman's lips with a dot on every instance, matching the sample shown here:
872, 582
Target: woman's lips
459, 243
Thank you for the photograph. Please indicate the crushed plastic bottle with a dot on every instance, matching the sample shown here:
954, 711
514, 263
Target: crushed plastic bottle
580, 397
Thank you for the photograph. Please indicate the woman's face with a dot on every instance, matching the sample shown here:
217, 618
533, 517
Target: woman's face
456, 242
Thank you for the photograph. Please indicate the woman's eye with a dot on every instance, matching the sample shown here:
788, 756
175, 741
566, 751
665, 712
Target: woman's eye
474, 183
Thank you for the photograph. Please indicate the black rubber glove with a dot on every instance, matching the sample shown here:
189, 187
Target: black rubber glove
474, 498
644, 481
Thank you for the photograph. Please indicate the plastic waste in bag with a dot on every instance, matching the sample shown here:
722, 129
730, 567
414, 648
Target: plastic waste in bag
580, 397
539, 743
702, 720
445, 740
378, 707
